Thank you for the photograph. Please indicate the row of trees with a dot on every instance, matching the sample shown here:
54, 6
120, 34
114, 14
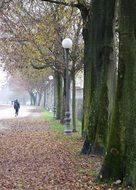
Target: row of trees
109, 110
109, 73
31, 39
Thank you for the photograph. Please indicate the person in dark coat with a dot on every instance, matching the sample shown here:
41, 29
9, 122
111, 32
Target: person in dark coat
16, 107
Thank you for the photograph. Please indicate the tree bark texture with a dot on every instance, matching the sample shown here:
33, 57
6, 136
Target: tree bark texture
120, 160
87, 69
101, 43
127, 61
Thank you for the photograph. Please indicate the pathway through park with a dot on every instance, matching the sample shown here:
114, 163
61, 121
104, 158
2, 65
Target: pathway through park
34, 157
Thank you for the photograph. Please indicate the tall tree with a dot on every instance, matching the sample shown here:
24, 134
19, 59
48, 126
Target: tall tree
119, 162
101, 49
32, 30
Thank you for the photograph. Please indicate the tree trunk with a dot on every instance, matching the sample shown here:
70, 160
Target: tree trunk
44, 96
32, 97
63, 99
31, 100
119, 162
39, 98
59, 95
101, 51
127, 60
87, 69
89, 79
35, 98
73, 101
55, 95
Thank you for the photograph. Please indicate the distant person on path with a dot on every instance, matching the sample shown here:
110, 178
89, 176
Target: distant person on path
16, 107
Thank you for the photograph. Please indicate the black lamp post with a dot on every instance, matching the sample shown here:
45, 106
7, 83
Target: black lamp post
67, 44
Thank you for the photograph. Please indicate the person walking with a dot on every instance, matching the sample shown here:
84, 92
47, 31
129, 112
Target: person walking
16, 107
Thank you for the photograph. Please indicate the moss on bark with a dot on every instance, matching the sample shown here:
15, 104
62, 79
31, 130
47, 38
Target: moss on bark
87, 70
101, 39
120, 160
128, 60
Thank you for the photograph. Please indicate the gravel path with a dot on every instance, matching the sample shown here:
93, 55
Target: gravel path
8, 112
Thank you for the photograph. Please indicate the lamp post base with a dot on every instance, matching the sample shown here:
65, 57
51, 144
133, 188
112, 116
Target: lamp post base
68, 132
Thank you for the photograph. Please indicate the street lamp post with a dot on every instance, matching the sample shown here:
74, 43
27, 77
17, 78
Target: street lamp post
67, 44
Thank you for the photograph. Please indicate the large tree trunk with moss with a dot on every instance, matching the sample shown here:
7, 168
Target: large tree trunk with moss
101, 51
112, 167
87, 68
128, 63
119, 162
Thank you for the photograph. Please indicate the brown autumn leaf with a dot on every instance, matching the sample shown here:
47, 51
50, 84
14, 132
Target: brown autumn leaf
33, 157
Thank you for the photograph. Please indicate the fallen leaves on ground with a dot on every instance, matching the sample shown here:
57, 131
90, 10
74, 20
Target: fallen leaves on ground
33, 157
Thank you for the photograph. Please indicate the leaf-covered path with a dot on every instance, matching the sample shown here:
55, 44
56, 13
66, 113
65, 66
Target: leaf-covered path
34, 157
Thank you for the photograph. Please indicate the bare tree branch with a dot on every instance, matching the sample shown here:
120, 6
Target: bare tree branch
39, 67
4, 2
63, 3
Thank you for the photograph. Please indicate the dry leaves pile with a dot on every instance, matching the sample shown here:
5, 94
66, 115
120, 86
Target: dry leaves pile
33, 157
